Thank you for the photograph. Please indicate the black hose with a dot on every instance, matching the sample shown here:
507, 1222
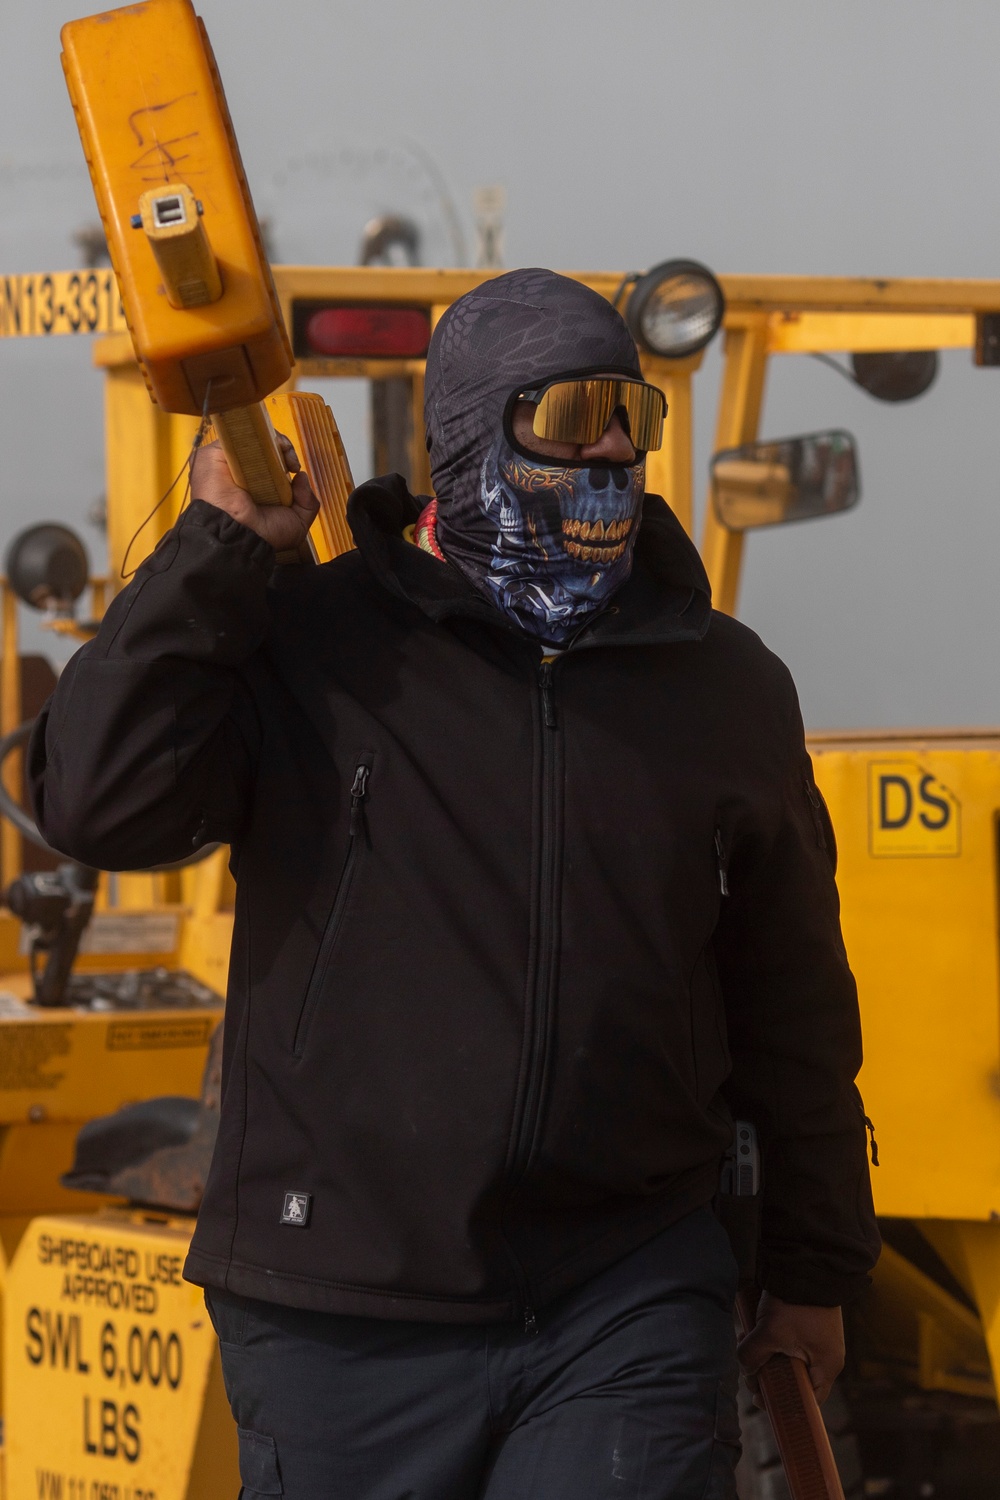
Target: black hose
27, 826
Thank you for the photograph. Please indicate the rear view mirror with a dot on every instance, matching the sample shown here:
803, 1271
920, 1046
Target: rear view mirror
793, 479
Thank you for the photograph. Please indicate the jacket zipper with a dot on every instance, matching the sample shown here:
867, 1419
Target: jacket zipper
722, 861
358, 825
543, 985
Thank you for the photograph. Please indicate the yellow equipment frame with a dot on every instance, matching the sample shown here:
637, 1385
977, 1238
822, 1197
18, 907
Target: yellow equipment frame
930, 1086
765, 316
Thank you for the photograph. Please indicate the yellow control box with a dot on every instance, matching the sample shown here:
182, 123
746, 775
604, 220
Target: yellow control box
158, 139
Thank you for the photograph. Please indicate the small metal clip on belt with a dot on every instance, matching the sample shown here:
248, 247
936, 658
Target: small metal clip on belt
738, 1203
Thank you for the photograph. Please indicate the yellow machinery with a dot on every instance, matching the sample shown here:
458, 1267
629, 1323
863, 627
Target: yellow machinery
916, 815
111, 1385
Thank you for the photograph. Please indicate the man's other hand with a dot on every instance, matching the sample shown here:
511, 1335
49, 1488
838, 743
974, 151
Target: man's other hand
284, 526
813, 1334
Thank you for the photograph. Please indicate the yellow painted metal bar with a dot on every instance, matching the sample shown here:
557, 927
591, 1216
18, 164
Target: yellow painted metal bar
181, 435
860, 294
862, 333
114, 349
420, 462
407, 284
138, 457
744, 294
11, 852
74, 302
669, 469
739, 414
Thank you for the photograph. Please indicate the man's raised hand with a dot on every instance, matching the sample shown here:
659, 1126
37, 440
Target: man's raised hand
284, 526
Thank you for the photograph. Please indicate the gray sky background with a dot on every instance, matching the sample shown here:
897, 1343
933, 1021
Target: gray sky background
853, 137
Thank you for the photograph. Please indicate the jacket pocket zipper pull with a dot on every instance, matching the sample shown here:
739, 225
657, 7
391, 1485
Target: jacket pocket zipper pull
720, 855
816, 808
874, 1146
359, 791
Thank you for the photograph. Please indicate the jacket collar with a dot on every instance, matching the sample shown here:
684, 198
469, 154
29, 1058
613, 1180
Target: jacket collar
666, 598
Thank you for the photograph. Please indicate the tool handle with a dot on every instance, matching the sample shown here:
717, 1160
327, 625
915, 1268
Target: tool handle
310, 425
795, 1417
253, 455
247, 438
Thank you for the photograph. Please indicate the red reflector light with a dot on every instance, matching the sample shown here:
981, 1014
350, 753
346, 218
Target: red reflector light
368, 332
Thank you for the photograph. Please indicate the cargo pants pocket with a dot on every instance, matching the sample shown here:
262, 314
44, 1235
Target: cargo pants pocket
258, 1464
726, 1446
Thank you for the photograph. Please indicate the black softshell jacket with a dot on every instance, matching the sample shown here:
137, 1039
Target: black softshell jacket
513, 939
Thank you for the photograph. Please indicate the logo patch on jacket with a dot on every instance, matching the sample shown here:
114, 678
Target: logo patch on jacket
296, 1209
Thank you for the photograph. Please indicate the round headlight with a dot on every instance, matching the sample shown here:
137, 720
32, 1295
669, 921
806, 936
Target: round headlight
47, 567
675, 309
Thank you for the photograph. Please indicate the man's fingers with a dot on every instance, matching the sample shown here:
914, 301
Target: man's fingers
813, 1334
756, 1349
304, 502
284, 527
822, 1376
288, 453
821, 1371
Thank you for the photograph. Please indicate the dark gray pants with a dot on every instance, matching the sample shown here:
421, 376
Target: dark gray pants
628, 1390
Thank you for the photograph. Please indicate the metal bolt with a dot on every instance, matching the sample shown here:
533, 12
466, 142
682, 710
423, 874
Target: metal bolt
37, 1113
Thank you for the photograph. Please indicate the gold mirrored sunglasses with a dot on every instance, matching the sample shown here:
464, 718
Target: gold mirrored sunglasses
578, 411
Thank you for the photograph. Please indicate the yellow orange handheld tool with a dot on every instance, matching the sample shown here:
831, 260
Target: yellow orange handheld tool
186, 246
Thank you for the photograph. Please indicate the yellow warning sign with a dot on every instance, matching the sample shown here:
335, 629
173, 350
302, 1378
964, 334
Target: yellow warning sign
107, 1357
33, 1057
93, 1062
152, 1035
60, 302
910, 812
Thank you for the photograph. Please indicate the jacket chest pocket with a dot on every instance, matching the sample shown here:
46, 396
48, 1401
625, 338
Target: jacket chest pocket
357, 841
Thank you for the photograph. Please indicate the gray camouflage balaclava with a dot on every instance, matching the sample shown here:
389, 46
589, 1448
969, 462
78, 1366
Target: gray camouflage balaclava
546, 541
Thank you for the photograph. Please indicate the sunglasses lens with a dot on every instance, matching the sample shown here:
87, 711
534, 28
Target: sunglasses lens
578, 411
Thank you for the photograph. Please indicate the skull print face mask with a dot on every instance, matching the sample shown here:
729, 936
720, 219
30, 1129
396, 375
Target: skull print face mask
548, 543
563, 541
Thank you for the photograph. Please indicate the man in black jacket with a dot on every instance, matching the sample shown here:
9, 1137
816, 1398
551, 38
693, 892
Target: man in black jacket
534, 894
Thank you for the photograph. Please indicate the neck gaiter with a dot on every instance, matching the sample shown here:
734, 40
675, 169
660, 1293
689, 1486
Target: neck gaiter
563, 539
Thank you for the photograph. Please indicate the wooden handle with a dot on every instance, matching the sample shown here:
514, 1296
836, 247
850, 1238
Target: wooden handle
252, 453
799, 1430
247, 438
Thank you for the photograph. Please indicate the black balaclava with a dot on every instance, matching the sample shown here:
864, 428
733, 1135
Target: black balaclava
547, 542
